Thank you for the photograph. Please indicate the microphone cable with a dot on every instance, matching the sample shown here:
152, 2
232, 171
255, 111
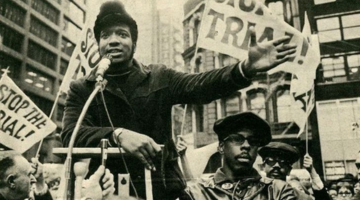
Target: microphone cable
118, 141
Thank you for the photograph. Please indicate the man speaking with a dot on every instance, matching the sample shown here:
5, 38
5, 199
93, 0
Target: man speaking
139, 99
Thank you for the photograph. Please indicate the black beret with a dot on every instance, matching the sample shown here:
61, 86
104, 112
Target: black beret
113, 12
281, 150
246, 120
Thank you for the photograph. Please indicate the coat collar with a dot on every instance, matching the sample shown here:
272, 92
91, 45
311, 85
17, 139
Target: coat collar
220, 176
139, 73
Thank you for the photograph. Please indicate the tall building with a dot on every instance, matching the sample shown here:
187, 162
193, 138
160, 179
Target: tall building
267, 96
38, 37
337, 87
170, 39
146, 16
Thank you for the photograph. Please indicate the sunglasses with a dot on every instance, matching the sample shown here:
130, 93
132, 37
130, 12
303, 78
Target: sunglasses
272, 162
238, 139
345, 194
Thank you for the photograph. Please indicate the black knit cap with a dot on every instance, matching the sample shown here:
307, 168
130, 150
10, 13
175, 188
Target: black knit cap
246, 120
112, 13
281, 150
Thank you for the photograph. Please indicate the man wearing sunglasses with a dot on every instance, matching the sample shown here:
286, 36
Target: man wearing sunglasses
278, 159
239, 136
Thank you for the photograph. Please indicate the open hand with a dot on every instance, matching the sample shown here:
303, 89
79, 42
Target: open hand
267, 55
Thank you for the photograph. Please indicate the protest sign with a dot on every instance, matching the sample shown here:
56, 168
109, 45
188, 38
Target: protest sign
302, 83
22, 123
225, 29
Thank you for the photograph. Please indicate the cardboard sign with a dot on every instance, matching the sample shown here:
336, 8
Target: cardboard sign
22, 123
225, 29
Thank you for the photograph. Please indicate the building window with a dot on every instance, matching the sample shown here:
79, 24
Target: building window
198, 64
43, 104
11, 38
43, 31
353, 62
39, 80
41, 55
334, 69
63, 66
13, 12
283, 106
199, 114
47, 10
334, 170
256, 103
75, 12
329, 29
71, 29
194, 27
67, 46
351, 26
13, 64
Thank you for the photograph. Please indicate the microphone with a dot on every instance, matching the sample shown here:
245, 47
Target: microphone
104, 151
103, 67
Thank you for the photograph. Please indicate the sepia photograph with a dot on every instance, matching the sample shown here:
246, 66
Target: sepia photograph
179, 100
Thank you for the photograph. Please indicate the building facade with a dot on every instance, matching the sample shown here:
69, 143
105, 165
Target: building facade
337, 85
37, 40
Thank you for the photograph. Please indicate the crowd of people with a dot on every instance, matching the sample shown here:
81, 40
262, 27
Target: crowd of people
134, 112
344, 188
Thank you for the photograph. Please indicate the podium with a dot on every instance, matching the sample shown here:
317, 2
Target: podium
83, 156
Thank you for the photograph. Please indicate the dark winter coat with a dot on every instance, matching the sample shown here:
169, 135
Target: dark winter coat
145, 107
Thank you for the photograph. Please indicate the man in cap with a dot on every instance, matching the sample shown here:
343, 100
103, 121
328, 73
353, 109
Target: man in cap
240, 136
278, 159
139, 99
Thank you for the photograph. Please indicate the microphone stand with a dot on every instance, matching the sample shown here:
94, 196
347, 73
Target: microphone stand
68, 162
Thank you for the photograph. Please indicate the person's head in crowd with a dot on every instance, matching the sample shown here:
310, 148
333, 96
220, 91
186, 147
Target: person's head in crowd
345, 192
305, 178
240, 136
116, 33
332, 193
332, 189
278, 159
345, 187
357, 187
16, 176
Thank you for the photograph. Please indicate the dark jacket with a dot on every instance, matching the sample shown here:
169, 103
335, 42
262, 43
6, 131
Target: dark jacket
253, 187
145, 108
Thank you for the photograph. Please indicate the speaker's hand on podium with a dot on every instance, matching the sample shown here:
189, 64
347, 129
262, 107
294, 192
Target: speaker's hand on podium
139, 145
